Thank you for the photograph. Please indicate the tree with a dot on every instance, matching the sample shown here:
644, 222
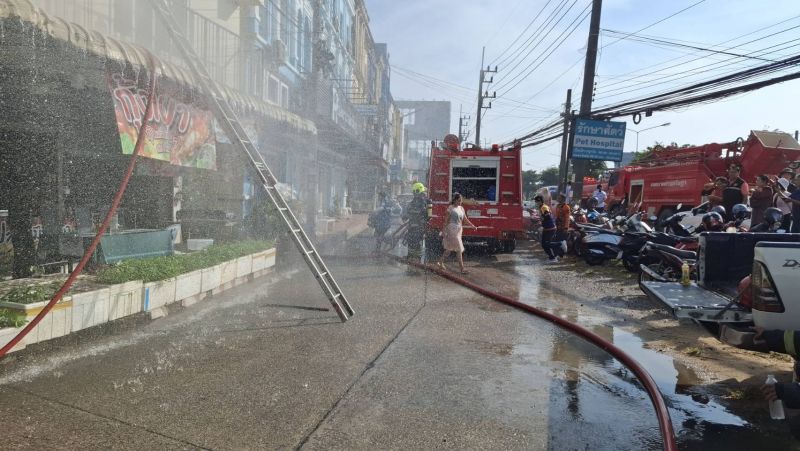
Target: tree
594, 168
530, 180
549, 176
647, 153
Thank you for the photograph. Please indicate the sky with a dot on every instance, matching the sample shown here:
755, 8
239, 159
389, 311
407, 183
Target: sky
443, 39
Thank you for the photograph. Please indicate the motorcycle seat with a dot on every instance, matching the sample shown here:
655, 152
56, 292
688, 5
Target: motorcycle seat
671, 250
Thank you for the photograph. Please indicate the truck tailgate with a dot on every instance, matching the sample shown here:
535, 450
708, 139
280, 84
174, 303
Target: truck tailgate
694, 302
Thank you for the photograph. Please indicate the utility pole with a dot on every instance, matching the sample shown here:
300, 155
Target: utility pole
483, 95
563, 167
460, 123
587, 91
463, 125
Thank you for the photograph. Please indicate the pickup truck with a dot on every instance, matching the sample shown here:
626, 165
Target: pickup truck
723, 261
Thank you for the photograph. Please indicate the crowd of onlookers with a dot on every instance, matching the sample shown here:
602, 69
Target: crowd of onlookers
769, 191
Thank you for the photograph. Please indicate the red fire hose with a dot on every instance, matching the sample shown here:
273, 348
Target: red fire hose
114, 206
664, 421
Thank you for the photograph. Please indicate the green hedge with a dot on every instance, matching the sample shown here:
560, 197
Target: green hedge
161, 268
11, 318
29, 294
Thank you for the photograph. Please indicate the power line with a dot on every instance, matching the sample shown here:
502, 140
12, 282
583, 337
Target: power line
569, 33
694, 47
505, 81
650, 103
736, 38
494, 62
655, 23
671, 78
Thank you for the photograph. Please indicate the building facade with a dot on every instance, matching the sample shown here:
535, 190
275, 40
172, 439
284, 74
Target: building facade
304, 76
423, 121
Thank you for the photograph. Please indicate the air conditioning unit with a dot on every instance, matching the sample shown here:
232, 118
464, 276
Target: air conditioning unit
279, 52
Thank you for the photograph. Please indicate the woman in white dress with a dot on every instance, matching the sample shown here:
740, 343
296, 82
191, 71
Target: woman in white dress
451, 235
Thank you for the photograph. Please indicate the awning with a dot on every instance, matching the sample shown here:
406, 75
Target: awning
111, 48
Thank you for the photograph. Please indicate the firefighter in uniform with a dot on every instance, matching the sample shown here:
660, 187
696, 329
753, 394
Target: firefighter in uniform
417, 214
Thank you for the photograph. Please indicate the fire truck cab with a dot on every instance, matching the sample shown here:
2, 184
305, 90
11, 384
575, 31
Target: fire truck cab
489, 180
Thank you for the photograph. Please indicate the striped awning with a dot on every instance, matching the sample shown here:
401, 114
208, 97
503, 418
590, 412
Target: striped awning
107, 47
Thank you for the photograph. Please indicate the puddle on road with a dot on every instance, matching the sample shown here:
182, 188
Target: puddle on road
594, 399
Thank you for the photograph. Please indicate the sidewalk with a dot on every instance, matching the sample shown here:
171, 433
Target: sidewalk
269, 366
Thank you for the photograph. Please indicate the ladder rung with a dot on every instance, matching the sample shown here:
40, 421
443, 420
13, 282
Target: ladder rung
322, 274
296, 230
310, 252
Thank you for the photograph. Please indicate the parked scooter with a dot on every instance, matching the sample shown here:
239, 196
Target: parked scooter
598, 246
664, 263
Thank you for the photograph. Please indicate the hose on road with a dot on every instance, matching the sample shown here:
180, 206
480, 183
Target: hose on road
664, 420
106, 221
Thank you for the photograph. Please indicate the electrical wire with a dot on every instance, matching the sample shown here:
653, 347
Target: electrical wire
714, 67
530, 24
682, 65
680, 97
512, 75
575, 25
654, 23
666, 42
679, 60
532, 39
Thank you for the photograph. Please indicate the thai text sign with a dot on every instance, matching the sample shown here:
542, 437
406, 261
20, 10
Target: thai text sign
178, 131
598, 140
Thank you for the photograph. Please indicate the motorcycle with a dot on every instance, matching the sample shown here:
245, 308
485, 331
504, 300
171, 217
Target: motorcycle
664, 263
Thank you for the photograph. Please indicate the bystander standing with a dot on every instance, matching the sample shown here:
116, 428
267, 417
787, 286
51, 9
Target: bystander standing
548, 228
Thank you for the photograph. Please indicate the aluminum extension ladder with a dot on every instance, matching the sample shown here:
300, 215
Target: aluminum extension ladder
238, 136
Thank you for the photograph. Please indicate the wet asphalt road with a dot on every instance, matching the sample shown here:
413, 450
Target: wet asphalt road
424, 364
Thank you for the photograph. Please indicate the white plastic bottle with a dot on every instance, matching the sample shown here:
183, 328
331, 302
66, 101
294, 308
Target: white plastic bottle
775, 407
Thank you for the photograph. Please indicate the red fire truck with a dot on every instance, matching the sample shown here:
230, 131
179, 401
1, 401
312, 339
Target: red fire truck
676, 175
489, 181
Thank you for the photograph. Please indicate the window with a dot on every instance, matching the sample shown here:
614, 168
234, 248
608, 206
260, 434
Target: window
298, 46
408, 115
307, 46
265, 25
284, 96
475, 179
274, 91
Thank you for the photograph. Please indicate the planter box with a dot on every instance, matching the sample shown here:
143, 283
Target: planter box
7, 333
271, 256
228, 272
90, 308
55, 324
158, 294
125, 299
188, 285
212, 278
259, 261
244, 266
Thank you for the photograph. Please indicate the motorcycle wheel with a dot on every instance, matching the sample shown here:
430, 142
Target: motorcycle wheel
575, 245
593, 259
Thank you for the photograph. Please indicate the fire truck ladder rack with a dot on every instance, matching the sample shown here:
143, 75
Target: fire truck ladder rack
238, 136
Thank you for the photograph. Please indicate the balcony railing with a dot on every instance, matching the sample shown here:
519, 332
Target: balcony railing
219, 48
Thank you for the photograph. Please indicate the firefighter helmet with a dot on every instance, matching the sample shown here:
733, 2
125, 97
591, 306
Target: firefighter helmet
418, 188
